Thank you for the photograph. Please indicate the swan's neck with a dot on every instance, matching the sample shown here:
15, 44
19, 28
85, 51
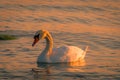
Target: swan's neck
49, 45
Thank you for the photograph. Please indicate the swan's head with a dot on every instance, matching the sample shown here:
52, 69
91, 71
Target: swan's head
41, 34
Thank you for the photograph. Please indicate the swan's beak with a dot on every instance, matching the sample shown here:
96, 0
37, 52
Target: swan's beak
35, 41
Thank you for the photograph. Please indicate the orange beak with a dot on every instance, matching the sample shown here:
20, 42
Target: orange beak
35, 41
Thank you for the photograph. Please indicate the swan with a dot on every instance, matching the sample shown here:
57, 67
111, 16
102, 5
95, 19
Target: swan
61, 54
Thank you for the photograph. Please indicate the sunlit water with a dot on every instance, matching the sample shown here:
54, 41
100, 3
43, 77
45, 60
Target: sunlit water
81, 23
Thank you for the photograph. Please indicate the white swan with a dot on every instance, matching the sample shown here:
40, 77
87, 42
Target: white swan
56, 55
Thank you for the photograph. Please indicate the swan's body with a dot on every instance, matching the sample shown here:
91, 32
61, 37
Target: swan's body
60, 54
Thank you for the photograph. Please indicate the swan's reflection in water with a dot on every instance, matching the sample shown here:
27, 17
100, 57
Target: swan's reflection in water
46, 71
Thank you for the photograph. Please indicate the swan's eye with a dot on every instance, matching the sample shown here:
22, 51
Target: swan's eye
36, 36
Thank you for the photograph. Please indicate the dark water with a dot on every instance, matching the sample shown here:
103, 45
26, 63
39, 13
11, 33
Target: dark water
71, 22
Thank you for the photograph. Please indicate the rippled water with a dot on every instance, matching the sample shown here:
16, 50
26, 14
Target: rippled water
71, 22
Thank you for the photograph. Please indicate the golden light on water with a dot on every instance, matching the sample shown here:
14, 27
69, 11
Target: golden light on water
94, 23
79, 63
69, 19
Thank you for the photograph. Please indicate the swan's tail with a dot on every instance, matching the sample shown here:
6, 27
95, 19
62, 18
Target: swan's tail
86, 49
84, 52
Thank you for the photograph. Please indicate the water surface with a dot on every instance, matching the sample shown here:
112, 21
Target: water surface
71, 22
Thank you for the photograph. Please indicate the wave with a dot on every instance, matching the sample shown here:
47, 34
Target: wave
50, 7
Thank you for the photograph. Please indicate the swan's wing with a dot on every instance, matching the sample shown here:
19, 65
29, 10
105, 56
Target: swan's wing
84, 53
58, 54
75, 53
66, 54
